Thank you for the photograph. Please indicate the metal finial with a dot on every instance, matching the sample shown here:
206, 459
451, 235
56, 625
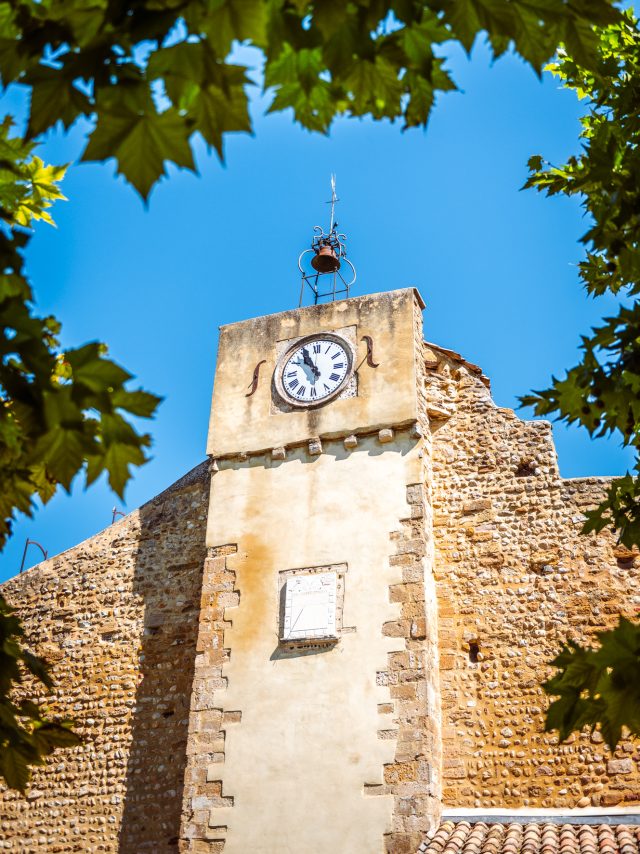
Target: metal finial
329, 253
333, 201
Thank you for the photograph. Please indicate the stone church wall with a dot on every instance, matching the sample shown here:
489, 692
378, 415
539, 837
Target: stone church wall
515, 579
118, 617
166, 652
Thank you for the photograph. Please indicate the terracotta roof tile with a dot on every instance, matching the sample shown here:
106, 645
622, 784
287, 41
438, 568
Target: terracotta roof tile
535, 838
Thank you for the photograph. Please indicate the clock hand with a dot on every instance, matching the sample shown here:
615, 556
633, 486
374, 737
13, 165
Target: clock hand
308, 361
311, 378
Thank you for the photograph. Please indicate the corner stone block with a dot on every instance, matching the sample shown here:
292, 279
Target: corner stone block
199, 846
315, 447
416, 431
278, 454
351, 442
415, 493
385, 436
213, 773
401, 843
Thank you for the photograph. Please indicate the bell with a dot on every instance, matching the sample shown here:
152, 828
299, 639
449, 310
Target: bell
325, 260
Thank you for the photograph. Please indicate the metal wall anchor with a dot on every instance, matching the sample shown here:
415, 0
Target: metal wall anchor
253, 385
369, 341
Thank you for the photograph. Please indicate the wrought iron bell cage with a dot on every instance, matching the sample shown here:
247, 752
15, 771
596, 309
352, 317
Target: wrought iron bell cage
329, 274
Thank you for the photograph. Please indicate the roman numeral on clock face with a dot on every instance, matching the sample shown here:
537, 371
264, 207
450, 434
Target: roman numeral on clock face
334, 377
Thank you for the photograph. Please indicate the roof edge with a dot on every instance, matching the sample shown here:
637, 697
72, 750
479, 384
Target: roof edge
585, 815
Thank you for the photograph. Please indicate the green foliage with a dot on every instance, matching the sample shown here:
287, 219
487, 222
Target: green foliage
27, 735
598, 686
602, 392
150, 74
27, 187
60, 413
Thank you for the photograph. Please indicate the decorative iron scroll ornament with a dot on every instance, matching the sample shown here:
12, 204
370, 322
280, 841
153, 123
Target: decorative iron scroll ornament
253, 385
329, 257
369, 342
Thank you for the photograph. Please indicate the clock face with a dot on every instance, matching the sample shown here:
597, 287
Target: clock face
315, 370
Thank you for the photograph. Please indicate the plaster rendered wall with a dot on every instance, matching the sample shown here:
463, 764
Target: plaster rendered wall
333, 749
117, 615
515, 576
385, 395
303, 764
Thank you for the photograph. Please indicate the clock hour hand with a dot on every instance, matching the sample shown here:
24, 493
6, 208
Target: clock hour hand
308, 361
307, 371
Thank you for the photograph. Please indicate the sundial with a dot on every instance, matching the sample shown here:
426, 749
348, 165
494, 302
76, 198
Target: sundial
310, 607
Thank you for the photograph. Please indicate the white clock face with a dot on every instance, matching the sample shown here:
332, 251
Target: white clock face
315, 370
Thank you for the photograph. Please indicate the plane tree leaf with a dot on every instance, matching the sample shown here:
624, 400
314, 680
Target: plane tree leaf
320, 61
602, 392
598, 687
57, 408
60, 412
53, 100
141, 143
209, 94
601, 686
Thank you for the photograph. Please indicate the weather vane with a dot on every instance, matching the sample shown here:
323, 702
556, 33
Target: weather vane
333, 201
329, 255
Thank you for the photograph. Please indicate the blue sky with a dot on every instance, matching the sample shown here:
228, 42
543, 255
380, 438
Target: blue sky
441, 210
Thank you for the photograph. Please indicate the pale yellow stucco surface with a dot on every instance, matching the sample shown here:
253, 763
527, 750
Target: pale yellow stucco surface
297, 763
386, 394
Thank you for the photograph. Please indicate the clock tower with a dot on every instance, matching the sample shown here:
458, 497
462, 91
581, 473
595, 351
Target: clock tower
314, 723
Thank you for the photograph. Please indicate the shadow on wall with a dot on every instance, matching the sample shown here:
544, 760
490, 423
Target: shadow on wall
167, 580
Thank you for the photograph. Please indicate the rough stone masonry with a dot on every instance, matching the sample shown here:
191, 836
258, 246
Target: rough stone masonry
118, 618
515, 579
126, 620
